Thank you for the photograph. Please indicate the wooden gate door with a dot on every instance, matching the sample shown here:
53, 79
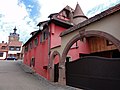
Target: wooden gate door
94, 73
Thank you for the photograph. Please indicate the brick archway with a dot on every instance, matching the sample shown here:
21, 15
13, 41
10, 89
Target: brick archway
51, 64
81, 35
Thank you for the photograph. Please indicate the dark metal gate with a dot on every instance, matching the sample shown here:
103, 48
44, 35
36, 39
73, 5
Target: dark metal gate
94, 73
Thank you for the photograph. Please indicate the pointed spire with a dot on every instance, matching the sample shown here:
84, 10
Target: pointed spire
78, 11
78, 15
15, 29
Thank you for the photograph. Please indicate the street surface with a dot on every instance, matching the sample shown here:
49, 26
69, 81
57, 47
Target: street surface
13, 77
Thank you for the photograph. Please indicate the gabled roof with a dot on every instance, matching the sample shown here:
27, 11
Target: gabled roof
92, 19
15, 43
68, 8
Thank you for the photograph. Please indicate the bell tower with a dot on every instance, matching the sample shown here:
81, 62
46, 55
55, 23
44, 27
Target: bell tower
14, 36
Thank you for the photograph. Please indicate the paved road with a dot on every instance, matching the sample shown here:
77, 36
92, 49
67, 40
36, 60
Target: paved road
13, 77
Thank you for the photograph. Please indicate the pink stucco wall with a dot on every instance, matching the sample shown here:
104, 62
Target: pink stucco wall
55, 32
82, 48
40, 52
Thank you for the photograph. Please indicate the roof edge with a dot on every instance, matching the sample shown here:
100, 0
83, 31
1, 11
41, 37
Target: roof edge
92, 19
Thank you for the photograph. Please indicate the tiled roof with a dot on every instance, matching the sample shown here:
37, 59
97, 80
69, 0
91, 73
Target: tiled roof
92, 19
15, 43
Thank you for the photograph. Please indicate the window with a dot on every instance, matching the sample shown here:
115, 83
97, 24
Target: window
1, 54
41, 38
11, 38
26, 48
3, 47
44, 36
109, 43
36, 41
30, 45
11, 48
32, 62
18, 48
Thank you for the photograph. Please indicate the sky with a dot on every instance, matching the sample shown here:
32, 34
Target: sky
26, 14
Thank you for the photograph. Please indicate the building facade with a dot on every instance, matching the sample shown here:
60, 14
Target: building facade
68, 39
13, 49
14, 46
96, 70
38, 47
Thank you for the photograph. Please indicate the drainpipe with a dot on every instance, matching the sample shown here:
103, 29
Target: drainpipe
49, 50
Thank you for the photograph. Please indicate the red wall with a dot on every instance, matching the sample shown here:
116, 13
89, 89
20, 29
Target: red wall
82, 48
40, 52
55, 32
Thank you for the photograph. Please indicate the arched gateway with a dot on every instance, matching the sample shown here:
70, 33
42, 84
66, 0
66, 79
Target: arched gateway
104, 26
83, 34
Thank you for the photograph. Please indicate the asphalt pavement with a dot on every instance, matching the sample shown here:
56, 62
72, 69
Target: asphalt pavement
14, 75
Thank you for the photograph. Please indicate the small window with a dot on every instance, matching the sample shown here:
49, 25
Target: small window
11, 48
32, 62
18, 48
1, 54
30, 45
26, 48
44, 36
3, 47
36, 41
41, 38
109, 43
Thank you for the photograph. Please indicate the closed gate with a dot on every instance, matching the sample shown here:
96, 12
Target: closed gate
94, 73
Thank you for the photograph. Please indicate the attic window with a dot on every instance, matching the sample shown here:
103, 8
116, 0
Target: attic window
64, 15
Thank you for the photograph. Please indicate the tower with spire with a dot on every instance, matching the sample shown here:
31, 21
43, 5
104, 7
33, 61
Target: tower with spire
78, 15
13, 36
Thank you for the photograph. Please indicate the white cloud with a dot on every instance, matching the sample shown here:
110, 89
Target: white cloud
15, 14
53, 6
